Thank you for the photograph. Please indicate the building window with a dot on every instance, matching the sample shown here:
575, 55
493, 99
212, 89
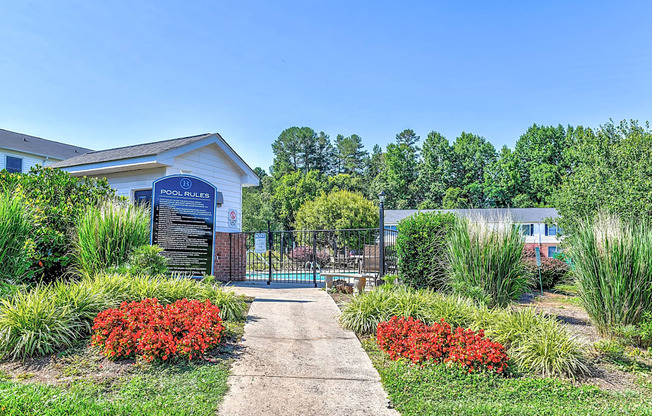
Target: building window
143, 196
527, 229
552, 250
14, 164
551, 230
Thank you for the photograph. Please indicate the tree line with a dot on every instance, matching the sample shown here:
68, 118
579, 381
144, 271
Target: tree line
575, 169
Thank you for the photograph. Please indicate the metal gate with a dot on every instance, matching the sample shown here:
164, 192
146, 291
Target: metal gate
301, 256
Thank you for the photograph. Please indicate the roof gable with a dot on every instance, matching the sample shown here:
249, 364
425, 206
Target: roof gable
160, 153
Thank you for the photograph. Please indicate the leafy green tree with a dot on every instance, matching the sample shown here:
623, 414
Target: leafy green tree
454, 199
337, 210
291, 191
374, 173
610, 171
345, 182
401, 171
522, 201
301, 149
503, 180
435, 171
260, 172
325, 154
257, 207
472, 156
350, 154
541, 161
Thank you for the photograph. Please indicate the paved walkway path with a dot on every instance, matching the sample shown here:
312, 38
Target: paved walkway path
299, 361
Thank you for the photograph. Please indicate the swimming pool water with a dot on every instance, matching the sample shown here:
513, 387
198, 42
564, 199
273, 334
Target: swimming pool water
307, 277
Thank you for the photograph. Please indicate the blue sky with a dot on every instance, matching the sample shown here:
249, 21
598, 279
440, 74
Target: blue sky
112, 73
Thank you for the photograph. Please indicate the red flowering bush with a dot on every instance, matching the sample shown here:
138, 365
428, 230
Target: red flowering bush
147, 329
473, 351
413, 339
418, 342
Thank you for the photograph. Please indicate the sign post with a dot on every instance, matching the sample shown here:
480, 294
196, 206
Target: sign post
183, 223
538, 254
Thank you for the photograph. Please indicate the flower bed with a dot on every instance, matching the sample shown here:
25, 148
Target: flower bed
147, 329
418, 342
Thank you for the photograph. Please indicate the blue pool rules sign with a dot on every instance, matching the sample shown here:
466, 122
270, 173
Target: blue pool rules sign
183, 223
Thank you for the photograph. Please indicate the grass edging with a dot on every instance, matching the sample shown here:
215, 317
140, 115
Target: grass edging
441, 390
178, 388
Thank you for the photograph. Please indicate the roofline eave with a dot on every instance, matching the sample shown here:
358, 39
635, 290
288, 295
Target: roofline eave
115, 166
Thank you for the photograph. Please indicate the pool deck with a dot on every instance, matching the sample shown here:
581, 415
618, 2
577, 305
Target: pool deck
298, 360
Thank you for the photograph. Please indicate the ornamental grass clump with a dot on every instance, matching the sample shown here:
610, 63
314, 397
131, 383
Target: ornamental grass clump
34, 323
486, 260
151, 331
368, 309
612, 265
106, 235
15, 248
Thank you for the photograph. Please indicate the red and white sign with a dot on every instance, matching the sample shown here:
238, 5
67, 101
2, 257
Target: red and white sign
233, 218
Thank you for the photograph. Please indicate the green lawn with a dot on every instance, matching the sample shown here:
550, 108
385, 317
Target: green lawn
195, 388
437, 390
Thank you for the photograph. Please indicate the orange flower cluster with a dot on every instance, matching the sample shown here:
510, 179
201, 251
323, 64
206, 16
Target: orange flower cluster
147, 329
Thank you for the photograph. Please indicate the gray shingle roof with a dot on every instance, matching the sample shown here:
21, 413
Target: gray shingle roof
37, 146
129, 152
518, 215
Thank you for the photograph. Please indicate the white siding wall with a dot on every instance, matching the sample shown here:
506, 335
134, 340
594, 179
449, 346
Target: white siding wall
29, 160
540, 235
211, 164
127, 182
208, 163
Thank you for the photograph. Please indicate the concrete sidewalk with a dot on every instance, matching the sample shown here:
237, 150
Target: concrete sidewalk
299, 361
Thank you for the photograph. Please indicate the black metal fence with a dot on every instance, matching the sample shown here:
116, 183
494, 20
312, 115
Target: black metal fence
301, 256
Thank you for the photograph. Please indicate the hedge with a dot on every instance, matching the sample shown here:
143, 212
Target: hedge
421, 246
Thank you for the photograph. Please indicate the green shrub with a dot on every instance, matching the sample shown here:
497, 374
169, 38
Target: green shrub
486, 258
106, 235
16, 248
48, 318
147, 260
553, 271
421, 246
55, 199
613, 270
537, 343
